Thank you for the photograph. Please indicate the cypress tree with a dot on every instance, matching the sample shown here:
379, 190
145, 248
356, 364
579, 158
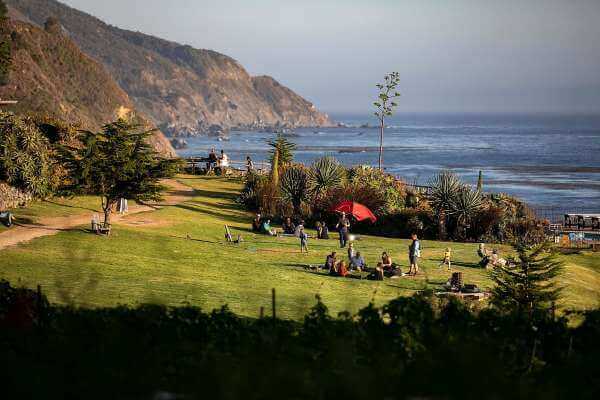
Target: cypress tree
480, 182
116, 163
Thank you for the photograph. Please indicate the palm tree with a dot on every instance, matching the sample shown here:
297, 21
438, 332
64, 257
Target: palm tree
324, 174
294, 187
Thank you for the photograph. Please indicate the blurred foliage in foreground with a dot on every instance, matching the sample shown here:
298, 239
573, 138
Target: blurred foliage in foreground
413, 347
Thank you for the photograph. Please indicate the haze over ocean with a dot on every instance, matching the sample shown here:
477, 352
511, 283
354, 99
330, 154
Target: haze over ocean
547, 160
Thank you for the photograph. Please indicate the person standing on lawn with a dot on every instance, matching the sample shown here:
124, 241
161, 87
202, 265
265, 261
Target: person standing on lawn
343, 226
446, 260
303, 240
414, 252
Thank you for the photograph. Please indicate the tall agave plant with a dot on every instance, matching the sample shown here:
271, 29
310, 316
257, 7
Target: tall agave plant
445, 187
294, 187
324, 174
283, 148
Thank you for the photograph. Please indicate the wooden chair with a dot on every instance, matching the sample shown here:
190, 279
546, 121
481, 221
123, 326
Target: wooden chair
228, 235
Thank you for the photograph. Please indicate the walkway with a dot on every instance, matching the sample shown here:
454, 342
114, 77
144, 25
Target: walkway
177, 193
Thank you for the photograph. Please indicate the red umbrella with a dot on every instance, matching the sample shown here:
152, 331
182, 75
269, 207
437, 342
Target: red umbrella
357, 210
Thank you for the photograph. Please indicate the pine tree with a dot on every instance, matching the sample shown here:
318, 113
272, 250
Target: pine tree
528, 283
115, 163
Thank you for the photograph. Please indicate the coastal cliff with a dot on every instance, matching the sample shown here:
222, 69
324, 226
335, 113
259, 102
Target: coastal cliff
49, 75
181, 89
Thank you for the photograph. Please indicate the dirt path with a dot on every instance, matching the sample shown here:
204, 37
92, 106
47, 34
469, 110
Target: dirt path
177, 193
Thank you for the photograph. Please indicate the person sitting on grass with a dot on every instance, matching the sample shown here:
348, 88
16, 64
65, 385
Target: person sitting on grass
288, 226
266, 228
377, 273
484, 255
386, 261
330, 261
351, 251
357, 262
446, 260
342, 268
303, 241
495, 261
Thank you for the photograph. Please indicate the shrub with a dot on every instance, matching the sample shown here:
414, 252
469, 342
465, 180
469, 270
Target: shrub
26, 159
367, 195
392, 189
325, 174
250, 194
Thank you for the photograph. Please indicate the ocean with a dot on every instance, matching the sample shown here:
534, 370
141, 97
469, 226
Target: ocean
549, 161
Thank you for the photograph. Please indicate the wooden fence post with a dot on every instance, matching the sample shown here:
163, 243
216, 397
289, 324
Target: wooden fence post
273, 302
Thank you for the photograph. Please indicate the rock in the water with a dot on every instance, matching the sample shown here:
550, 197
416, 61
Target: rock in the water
179, 143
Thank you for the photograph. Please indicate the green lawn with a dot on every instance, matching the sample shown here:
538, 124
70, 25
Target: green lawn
58, 207
151, 260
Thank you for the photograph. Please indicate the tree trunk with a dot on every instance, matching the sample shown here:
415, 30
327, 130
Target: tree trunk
297, 210
107, 208
381, 144
442, 225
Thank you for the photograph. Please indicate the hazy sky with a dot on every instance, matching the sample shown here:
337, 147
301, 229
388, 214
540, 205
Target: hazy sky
452, 55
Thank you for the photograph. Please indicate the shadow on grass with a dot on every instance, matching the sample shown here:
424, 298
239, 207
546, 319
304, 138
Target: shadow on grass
405, 287
70, 206
224, 195
240, 219
194, 240
466, 264
21, 221
226, 206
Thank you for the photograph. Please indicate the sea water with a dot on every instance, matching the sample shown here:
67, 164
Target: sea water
547, 160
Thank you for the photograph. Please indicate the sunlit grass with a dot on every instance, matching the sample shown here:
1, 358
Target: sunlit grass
148, 258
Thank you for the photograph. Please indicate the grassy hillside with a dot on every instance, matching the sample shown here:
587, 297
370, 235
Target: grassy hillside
150, 259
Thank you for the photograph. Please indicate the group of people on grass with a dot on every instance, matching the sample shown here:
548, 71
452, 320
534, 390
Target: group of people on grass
489, 259
355, 261
289, 228
384, 268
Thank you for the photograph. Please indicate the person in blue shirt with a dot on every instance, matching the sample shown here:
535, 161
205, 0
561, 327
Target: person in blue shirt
357, 262
303, 240
414, 253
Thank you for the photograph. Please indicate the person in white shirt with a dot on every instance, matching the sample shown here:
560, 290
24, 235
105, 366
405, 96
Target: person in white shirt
223, 160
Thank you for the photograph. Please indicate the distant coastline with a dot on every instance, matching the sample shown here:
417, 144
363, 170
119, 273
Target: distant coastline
542, 167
